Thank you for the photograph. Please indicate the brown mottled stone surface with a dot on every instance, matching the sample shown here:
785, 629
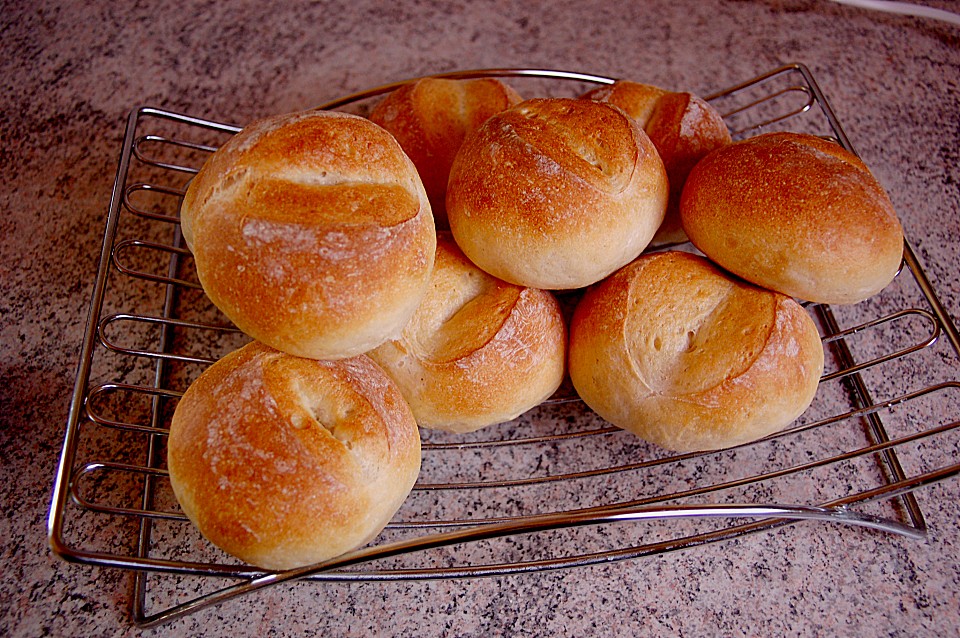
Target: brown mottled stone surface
71, 71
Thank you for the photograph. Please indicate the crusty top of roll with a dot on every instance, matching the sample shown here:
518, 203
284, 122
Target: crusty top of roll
312, 232
637, 100
556, 193
430, 119
683, 128
478, 351
677, 351
283, 461
797, 214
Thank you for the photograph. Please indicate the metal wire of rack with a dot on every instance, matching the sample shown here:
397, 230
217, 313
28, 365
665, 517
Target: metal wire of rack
556, 488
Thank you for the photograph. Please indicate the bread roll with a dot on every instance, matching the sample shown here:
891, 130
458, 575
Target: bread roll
683, 355
797, 214
635, 99
283, 461
478, 351
556, 193
682, 127
430, 119
312, 232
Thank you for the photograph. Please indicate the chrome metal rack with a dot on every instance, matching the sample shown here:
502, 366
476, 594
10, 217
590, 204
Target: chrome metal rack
557, 487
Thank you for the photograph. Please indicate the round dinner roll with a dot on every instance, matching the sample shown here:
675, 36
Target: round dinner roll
794, 213
432, 116
283, 461
312, 233
683, 355
556, 193
478, 351
683, 128
636, 99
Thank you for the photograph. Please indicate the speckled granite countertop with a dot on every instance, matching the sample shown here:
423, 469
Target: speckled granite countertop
71, 71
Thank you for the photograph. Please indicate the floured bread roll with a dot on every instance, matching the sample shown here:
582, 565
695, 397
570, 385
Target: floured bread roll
683, 355
478, 351
284, 462
556, 193
432, 116
683, 128
797, 214
312, 232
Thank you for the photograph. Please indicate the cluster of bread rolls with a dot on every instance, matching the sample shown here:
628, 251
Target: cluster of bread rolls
317, 234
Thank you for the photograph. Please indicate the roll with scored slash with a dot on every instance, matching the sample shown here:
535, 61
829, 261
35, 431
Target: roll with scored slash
312, 232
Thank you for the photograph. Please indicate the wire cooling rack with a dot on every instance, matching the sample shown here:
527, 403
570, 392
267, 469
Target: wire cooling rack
555, 488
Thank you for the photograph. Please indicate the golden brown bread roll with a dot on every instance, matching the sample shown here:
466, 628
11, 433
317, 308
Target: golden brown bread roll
556, 193
478, 351
636, 99
283, 461
683, 355
797, 214
430, 119
683, 128
312, 232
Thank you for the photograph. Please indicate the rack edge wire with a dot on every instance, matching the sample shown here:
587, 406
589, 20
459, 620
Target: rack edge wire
65, 467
